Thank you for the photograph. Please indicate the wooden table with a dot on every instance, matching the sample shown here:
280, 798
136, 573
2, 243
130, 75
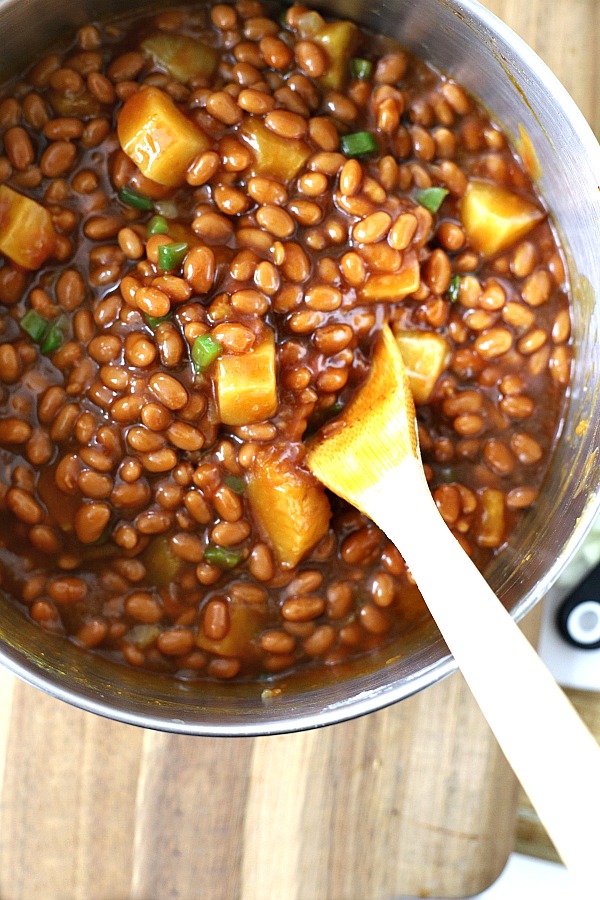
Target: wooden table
416, 799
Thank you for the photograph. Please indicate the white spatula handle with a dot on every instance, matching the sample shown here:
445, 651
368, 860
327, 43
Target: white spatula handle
552, 753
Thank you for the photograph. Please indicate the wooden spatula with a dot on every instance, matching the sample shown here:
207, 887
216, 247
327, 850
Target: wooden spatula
370, 457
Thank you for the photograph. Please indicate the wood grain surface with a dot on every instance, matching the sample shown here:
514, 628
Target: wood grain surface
414, 800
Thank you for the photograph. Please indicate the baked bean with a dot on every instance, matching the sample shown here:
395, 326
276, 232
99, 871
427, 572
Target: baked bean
228, 534
525, 447
559, 365
175, 641
18, 148
260, 563
498, 456
250, 302
67, 589
90, 521
303, 609
493, 342
223, 17
276, 221
532, 341
537, 288
255, 102
24, 506
372, 228
373, 619
323, 298
10, 364
57, 158
521, 497
216, 622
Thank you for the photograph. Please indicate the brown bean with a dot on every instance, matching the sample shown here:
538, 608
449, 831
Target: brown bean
185, 436
373, 619
223, 107
255, 102
216, 622
10, 364
360, 545
175, 641
525, 447
228, 534
67, 589
188, 547
18, 148
261, 564
303, 609
493, 342
58, 158
372, 228
90, 521
24, 506
169, 391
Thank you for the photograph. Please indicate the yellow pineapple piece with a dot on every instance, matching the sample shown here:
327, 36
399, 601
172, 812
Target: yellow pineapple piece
495, 218
425, 356
392, 285
288, 503
183, 57
27, 235
275, 156
246, 385
338, 40
491, 528
157, 136
162, 566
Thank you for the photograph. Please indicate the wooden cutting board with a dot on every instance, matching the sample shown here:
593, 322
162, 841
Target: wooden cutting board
416, 799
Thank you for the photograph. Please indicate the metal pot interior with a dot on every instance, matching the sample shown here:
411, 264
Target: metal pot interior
465, 41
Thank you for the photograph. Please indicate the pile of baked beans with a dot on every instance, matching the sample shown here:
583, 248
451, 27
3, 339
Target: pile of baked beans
125, 520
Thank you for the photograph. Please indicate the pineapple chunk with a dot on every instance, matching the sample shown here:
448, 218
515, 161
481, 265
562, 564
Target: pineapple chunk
275, 156
157, 136
27, 235
246, 621
392, 285
289, 505
425, 356
490, 532
246, 385
338, 40
162, 566
83, 105
495, 218
182, 56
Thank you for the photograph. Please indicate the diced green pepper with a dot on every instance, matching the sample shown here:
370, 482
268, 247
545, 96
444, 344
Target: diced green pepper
53, 338
361, 68
172, 255
205, 350
157, 225
454, 289
222, 557
155, 321
431, 198
359, 143
236, 483
133, 198
34, 324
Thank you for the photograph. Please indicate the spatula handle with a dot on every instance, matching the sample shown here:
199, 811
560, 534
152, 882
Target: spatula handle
551, 751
